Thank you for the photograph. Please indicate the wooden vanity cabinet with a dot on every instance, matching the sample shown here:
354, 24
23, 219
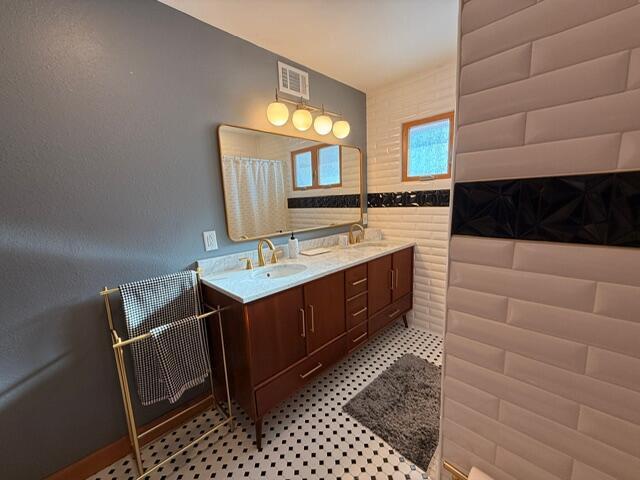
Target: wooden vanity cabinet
277, 344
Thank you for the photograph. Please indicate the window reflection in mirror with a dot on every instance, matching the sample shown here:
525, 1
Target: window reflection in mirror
274, 184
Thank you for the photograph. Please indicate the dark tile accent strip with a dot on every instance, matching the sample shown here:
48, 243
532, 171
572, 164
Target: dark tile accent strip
599, 209
329, 201
422, 198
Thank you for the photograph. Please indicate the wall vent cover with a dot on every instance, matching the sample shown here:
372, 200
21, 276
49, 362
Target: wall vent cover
293, 81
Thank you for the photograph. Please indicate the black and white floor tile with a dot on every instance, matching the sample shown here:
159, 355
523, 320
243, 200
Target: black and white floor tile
307, 437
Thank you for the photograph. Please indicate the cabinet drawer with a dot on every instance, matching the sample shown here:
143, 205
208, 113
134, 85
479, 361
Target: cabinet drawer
356, 309
390, 313
356, 280
357, 335
269, 395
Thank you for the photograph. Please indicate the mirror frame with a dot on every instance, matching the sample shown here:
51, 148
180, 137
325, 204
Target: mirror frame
310, 229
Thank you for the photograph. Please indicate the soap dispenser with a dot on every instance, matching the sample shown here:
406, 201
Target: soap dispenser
293, 247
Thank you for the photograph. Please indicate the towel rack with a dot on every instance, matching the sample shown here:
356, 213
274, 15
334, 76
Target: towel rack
456, 473
118, 345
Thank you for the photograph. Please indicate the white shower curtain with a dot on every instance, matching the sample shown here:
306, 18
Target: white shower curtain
255, 195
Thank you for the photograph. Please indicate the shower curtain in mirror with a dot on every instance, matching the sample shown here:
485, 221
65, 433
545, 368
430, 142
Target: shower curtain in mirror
255, 195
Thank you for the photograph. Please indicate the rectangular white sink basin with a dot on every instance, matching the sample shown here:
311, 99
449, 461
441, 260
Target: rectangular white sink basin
278, 271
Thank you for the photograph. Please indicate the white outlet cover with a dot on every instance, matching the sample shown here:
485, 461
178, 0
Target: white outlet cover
365, 218
210, 240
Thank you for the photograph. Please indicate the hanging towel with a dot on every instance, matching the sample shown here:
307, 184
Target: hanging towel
179, 348
150, 304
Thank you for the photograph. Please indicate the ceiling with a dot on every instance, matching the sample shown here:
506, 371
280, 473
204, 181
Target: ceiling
363, 43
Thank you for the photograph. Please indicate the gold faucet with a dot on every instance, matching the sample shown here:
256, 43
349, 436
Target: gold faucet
274, 257
352, 238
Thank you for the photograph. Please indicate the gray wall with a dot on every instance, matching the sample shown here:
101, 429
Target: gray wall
109, 173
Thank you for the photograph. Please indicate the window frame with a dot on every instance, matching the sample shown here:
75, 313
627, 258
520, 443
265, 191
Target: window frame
315, 171
406, 127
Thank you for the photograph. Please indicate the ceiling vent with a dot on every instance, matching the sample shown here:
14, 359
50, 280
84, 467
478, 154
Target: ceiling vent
293, 81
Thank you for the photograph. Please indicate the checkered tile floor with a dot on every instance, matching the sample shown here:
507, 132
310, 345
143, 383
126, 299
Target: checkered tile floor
308, 437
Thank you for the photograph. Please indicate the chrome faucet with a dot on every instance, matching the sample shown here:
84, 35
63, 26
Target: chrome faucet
353, 238
274, 257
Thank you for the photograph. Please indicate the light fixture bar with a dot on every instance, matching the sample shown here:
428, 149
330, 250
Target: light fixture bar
308, 106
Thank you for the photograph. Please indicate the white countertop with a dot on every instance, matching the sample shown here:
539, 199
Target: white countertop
243, 286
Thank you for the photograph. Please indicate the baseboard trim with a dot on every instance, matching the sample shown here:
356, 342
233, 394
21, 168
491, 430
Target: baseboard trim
108, 454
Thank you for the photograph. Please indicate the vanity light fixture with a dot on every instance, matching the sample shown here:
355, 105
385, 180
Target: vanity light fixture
341, 129
277, 112
302, 118
323, 123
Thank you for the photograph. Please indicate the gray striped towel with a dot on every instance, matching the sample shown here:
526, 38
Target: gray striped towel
153, 304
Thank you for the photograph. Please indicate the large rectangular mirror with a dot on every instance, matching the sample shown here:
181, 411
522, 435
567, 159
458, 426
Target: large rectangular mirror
275, 184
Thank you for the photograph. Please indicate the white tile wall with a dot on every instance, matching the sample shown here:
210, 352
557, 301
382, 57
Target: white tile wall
422, 95
542, 349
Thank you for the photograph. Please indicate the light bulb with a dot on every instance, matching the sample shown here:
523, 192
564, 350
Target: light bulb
341, 129
322, 124
277, 113
302, 119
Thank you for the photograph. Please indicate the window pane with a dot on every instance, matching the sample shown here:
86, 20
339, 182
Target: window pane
428, 149
304, 175
329, 165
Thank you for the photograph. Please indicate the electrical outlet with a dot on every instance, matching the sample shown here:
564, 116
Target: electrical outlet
210, 240
365, 218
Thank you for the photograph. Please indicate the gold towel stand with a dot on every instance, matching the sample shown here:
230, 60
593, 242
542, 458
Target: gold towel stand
134, 437
456, 473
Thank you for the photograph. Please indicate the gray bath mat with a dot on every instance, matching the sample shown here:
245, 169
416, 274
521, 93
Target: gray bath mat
402, 406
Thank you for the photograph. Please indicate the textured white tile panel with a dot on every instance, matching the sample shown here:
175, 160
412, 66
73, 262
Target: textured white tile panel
585, 390
535, 287
517, 465
472, 397
482, 12
634, 68
602, 76
630, 150
532, 398
470, 440
589, 262
486, 251
614, 367
623, 435
545, 348
618, 301
550, 460
584, 327
596, 454
498, 133
477, 303
471, 351
571, 156
497, 70
609, 114
543, 19
603, 36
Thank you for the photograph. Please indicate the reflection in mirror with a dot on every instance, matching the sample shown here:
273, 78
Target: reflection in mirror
274, 184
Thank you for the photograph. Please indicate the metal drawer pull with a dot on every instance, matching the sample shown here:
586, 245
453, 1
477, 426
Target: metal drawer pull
393, 314
313, 320
304, 323
358, 282
392, 279
362, 310
357, 296
313, 370
356, 340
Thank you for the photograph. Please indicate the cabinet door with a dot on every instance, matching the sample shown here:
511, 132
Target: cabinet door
402, 273
325, 305
277, 333
379, 276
